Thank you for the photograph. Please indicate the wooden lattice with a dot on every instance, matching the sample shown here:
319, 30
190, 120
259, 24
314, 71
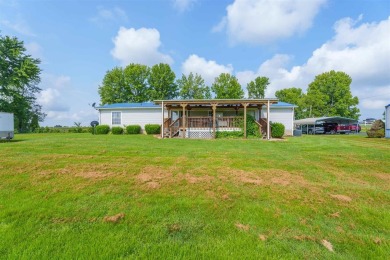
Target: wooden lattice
199, 134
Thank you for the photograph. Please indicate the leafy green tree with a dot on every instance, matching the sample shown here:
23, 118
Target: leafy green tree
19, 79
330, 95
257, 87
113, 88
193, 87
162, 82
136, 80
293, 96
226, 86
125, 85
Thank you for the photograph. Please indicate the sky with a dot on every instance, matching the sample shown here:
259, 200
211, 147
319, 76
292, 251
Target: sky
288, 41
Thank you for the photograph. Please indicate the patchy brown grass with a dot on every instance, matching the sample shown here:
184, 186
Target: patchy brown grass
242, 226
115, 218
341, 197
327, 245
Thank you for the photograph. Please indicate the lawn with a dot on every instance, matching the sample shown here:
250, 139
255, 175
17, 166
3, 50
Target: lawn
87, 197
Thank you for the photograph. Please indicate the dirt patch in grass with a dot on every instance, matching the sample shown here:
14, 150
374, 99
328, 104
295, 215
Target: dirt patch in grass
115, 218
93, 175
280, 181
242, 227
383, 176
154, 177
327, 245
153, 185
341, 197
335, 215
262, 237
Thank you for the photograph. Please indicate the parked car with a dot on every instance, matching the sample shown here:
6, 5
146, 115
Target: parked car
343, 129
310, 129
355, 127
330, 128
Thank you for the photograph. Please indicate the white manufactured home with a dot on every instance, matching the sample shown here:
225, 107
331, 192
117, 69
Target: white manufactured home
199, 118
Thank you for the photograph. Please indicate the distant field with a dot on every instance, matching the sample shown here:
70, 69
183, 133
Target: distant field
80, 196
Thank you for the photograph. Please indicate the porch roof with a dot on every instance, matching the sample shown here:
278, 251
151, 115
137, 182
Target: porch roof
210, 102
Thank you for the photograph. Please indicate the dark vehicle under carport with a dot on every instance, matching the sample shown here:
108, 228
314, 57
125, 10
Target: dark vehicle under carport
323, 125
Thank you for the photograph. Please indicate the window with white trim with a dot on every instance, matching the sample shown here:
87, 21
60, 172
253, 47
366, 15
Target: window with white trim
116, 118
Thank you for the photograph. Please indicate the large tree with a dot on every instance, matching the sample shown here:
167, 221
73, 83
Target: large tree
113, 88
226, 86
193, 87
19, 79
330, 95
256, 88
293, 96
125, 85
162, 82
136, 79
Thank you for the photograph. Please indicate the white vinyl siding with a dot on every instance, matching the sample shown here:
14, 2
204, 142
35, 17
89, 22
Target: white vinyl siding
116, 118
281, 115
133, 116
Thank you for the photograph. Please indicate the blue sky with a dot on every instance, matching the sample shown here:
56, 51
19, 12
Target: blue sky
289, 41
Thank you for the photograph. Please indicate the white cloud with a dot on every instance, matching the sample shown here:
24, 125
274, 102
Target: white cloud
264, 21
115, 14
139, 46
52, 95
183, 5
19, 26
362, 51
209, 70
64, 103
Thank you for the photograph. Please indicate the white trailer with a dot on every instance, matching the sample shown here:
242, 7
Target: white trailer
6, 125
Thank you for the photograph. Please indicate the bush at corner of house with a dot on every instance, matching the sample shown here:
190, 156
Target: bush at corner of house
133, 129
377, 130
102, 129
117, 130
277, 130
152, 129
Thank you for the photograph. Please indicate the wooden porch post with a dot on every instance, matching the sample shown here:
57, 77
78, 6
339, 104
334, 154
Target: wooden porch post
245, 105
163, 122
268, 126
259, 107
214, 106
184, 119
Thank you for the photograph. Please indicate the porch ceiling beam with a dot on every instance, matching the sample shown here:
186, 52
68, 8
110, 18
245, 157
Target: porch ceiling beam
219, 101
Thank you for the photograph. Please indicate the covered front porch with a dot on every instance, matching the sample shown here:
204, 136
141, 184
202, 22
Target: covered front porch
204, 118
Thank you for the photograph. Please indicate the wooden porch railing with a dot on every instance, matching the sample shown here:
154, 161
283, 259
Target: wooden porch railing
263, 123
221, 122
174, 127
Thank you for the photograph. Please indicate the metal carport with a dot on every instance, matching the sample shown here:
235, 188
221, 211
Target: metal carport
319, 120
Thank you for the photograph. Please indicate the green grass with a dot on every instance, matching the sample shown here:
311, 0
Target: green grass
194, 199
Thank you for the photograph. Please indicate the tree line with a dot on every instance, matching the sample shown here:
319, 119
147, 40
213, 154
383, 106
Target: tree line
328, 95
140, 83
